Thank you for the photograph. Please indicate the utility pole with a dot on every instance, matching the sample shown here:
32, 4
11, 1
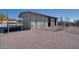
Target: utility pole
7, 23
67, 21
61, 21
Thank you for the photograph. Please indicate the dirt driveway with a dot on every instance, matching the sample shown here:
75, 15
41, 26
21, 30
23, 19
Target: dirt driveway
39, 39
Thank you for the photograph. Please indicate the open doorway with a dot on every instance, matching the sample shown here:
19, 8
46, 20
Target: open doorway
49, 22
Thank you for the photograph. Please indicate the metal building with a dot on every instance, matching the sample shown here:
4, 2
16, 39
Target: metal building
32, 20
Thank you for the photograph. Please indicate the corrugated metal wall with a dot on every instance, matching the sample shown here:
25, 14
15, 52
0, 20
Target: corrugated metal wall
36, 21
26, 21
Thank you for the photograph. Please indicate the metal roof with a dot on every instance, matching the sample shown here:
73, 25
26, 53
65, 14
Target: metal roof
33, 13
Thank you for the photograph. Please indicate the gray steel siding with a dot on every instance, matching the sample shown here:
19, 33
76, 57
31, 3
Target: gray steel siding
39, 21
31, 21
26, 20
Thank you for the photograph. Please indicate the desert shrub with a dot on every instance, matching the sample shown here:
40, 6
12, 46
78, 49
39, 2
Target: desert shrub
76, 22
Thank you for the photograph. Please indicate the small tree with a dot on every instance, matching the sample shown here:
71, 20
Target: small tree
3, 17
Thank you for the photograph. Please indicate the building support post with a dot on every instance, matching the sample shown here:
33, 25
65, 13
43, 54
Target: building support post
44, 22
30, 21
55, 22
36, 22
21, 24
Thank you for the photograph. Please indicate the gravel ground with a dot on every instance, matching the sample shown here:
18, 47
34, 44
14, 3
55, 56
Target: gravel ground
73, 30
38, 39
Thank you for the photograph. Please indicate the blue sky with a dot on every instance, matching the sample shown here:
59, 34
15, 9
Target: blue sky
71, 13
